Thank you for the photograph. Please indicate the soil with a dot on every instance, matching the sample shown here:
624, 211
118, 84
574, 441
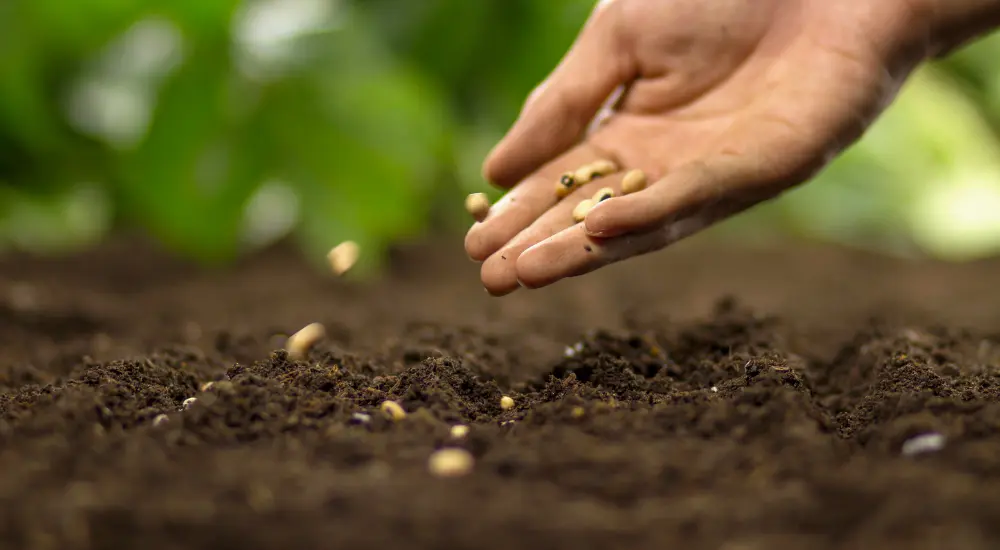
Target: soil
705, 397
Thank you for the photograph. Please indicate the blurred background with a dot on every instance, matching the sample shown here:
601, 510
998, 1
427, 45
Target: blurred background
222, 126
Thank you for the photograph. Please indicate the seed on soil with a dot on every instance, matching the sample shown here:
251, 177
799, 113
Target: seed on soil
567, 182
603, 194
160, 419
302, 341
582, 209
361, 418
206, 386
506, 403
189, 402
715, 389
393, 410
451, 462
343, 256
459, 431
633, 182
478, 205
924, 443
578, 412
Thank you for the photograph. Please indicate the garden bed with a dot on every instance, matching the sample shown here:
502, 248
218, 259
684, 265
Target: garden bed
705, 397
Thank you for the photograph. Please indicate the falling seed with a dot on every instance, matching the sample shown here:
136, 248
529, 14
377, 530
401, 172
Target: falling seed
459, 431
450, 462
478, 205
302, 341
578, 412
603, 194
160, 419
567, 182
206, 386
924, 443
343, 256
189, 402
361, 418
506, 403
715, 389
633, 182
582, 209
394, 410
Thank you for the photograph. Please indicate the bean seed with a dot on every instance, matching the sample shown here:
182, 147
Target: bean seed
478, 205
602, 168
506, 403
582, 209
394, 410
459, 431
343, 257
451, 462
189, 402
567, 182
633, 182
302, 341
160, 419
603, 194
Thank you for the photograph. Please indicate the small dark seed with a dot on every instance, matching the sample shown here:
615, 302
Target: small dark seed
567, 180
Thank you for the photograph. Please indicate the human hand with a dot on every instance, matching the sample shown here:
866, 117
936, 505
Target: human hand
726, 104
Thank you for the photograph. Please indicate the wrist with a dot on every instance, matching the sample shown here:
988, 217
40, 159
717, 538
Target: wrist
953, 23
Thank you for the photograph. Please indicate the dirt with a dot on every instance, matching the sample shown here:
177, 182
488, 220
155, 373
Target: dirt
706, 397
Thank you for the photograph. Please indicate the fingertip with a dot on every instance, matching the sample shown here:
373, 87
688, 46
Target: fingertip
602, 220
479, 244
497, 169
499, 278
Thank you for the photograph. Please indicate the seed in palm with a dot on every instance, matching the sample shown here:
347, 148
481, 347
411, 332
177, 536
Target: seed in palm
603, 194
633, 182
567, 182
581, 209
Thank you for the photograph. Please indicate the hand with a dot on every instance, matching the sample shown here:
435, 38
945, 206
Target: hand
722, 104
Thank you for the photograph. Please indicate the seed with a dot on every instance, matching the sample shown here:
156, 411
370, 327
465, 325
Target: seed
343, 256
601, 168
393, 410
603, 194
924, 443
302, 341
189, 402
567, 182
506, 403
478, 205
450, 462
633, 182
206, 386
582, 209
459, 431
160, 419
578, 412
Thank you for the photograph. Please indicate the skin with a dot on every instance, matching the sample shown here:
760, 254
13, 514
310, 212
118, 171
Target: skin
723, 104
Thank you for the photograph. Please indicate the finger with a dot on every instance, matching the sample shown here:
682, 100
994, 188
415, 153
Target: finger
520, 207
573, 252
499, 272
558, 112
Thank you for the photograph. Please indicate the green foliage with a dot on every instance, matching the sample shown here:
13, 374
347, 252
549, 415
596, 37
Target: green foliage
221, 126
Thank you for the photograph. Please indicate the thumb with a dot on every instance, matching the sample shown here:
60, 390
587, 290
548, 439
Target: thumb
558, 111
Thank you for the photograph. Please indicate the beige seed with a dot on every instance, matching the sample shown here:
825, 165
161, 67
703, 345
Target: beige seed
189, 402
206, 386
566, 184
459, 431
478, 205
578, 412
633, 182
582, 209
603, 194
601, 168
393, 410
450, 462
160, 419
302, 341
343, 257
506, 403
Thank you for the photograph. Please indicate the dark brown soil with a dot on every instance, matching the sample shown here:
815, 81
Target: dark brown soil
732, 398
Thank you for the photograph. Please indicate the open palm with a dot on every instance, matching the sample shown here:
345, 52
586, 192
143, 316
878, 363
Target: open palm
723, 104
